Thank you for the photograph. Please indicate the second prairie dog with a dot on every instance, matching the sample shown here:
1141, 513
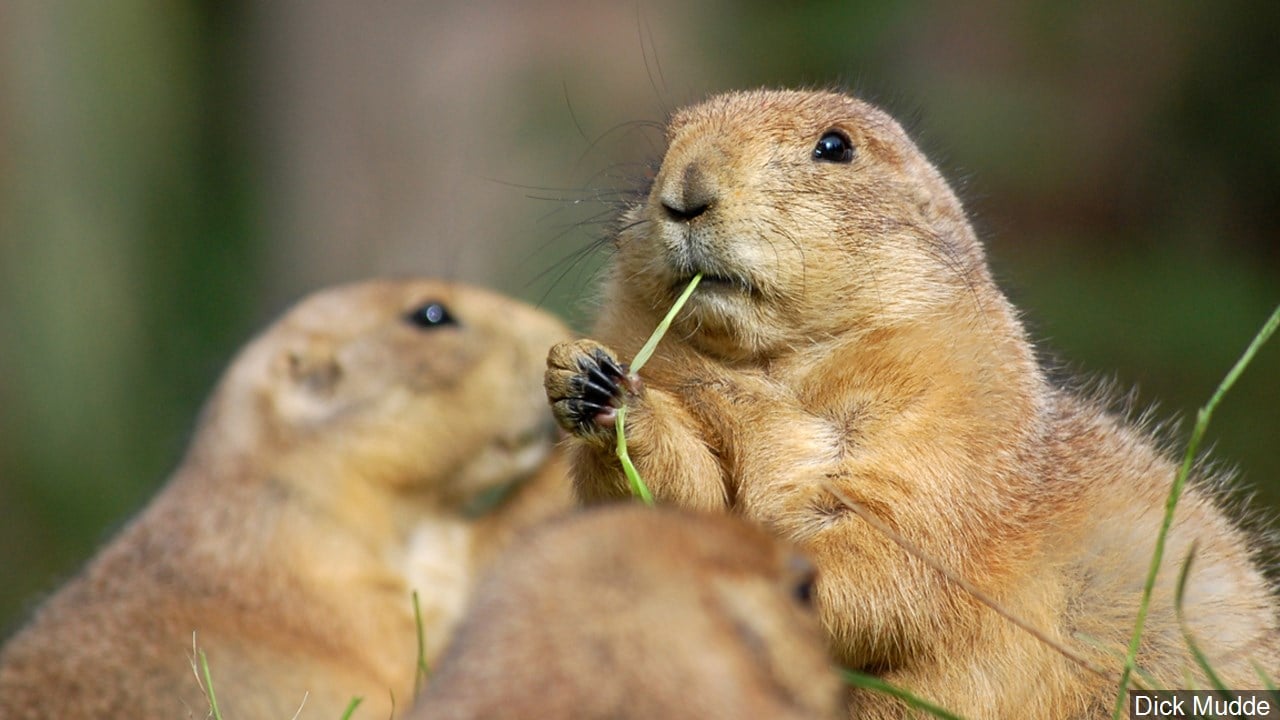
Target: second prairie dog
333, 472
632, 612
847, 333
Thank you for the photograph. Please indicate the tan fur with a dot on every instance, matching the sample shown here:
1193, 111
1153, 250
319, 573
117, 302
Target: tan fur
860, 341
329, 477
630, 612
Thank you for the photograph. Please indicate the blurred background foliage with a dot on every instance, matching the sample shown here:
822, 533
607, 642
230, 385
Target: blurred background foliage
172, 175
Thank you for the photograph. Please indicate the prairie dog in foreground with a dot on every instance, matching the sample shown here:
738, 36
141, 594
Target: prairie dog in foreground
847, 334
332, 473
633, 612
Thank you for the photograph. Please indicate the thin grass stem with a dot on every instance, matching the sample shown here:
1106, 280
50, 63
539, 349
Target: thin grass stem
351, 707
1175, 492
638, 486
208, 687
423, 670
871, 682
1183, 573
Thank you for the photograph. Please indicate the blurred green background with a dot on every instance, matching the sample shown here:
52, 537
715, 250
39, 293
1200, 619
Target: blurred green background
173, 174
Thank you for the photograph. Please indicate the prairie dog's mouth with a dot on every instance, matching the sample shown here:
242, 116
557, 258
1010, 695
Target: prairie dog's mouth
507, 462
713, 282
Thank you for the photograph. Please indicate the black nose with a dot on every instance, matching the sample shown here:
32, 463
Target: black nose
684, 213
690, 195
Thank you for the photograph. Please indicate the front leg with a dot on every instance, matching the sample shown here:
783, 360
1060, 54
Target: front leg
586, 385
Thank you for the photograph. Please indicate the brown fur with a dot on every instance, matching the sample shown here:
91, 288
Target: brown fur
851, 334
630, 612
329, 477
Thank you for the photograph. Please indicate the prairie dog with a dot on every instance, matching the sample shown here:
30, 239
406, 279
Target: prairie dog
631, 612
331, 474
848, 334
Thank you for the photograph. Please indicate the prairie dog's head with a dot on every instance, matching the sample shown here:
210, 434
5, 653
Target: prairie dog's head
809, 214
627, 611
412, 383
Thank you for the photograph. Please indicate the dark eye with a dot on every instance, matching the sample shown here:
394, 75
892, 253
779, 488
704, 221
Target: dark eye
431, 315
803, 589
833, 146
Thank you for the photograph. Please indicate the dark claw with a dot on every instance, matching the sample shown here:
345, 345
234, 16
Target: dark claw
598, 390
598, 394
585, 413
609, 364
598, 377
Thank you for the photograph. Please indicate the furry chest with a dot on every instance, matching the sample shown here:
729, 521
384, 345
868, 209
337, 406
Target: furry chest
437, 565
779, 456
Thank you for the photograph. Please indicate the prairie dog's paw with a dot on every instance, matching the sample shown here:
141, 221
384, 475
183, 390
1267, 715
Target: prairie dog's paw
585, 386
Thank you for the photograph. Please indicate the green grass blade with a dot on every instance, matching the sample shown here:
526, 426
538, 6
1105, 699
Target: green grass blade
1188, 460
208, 687
1199, 655
351, 707
638, 486
871, 682
1267, 682
651, 344
420, 676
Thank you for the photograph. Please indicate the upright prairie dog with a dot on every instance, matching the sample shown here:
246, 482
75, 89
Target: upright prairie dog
847, 334
628, 612
331, 475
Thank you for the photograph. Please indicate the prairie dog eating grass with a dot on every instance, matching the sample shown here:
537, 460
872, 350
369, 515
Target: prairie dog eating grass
847, 342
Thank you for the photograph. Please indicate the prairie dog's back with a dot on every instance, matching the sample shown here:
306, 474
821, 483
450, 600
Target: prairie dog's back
632, 612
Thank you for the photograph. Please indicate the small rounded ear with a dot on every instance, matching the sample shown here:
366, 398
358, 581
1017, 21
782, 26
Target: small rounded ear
314, 370
307, 378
